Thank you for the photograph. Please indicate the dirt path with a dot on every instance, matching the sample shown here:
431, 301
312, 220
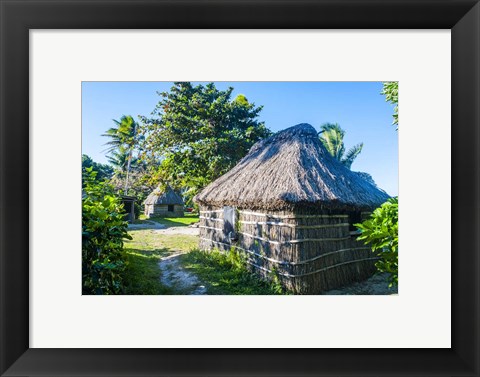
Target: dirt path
179, 230
176, 277
175, 241
146, 225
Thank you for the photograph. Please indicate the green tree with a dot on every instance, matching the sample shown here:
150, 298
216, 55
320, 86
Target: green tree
197, 133
103, 171
390, 91
380, 231
140, 183
119, 161
332, 138
124, 139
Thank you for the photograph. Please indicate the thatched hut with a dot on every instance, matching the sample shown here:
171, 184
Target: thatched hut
163, 202
289, 207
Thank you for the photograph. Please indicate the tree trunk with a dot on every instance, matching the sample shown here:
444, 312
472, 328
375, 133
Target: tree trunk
128, 171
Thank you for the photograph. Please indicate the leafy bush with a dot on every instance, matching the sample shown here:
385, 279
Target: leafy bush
390, 91
138, 210
103, 171
103, 231
380, 231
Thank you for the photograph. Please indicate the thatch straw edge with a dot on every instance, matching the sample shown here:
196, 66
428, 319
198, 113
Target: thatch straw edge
291, 170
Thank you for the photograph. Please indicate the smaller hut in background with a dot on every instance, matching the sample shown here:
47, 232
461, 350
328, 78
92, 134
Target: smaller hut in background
163, 202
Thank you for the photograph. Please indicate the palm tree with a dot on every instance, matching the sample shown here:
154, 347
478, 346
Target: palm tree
119, 160
123, 141
331, 136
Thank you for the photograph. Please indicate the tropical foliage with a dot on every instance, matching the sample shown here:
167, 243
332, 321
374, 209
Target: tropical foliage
124, 139
380, 231
119, 161
103, 171
103, 232
197, 133
131, 168
332, 139
390, 91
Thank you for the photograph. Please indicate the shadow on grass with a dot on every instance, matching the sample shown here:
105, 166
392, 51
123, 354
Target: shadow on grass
142, 275
145, 224
135, 228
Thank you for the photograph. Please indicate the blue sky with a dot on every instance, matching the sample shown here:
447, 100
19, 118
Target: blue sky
357, 106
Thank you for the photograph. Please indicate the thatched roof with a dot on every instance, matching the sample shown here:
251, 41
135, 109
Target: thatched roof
291, 169
166, 196
127, 197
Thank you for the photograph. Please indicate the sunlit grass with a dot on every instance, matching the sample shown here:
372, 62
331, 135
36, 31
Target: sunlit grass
152, 240
224, 274
143, 253
187, 220
142, 275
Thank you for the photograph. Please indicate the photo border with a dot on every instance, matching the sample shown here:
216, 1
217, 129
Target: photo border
18, 17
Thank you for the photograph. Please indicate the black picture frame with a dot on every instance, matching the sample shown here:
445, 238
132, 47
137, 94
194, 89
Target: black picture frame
19, 16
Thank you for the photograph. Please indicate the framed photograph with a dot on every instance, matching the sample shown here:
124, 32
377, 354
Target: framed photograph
310, 91
275, 214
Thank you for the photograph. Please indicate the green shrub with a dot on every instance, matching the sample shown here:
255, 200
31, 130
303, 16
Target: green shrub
138, 210
390, 91
103, 231
380, 231
276, 283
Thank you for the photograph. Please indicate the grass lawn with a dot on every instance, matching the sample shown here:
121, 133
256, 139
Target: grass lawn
186, 220
165, 244
222, 274
142, 275
225, 274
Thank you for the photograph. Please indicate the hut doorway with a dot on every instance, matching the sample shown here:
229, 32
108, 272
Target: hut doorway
229, 218
128, 207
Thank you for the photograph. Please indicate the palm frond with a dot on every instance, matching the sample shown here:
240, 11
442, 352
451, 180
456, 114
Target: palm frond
332, 138
351, 155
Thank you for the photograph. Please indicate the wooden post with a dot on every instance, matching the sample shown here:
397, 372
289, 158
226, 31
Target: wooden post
132, 211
